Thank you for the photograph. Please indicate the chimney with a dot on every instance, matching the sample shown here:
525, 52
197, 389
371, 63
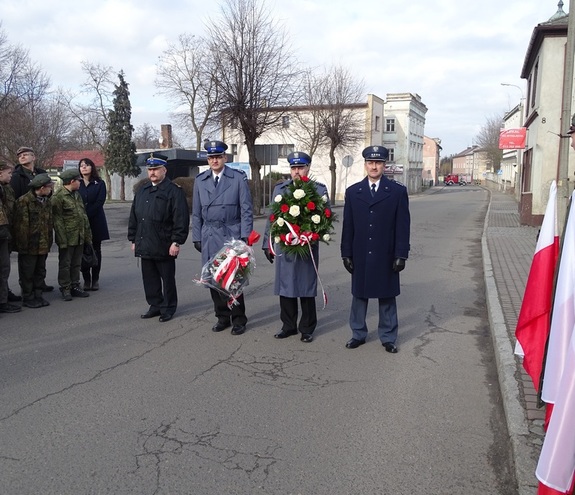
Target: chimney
166, 136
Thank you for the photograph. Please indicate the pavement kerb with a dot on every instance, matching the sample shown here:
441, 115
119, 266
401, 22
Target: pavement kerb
506, 371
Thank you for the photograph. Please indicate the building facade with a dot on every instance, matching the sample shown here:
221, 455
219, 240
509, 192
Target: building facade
431, 153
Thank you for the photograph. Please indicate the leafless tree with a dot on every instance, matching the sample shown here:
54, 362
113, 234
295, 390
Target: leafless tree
189, 82
488, 140
146, 136
256, 73
341, 124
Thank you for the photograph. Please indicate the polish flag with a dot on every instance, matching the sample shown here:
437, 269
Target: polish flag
533, 323
557, 460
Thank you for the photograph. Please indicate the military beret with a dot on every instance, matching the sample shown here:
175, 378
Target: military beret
40, 180
572, 127
215, 148
298, 158
68, 175
24, 149
156, 160
376, 154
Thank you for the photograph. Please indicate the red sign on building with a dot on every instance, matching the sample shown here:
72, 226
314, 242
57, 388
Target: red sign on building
512, 139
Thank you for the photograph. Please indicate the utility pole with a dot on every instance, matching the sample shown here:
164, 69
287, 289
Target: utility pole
563, 189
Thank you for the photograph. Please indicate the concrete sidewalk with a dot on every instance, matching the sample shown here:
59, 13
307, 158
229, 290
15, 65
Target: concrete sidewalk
508, 249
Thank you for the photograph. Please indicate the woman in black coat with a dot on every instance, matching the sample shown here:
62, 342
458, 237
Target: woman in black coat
93, 192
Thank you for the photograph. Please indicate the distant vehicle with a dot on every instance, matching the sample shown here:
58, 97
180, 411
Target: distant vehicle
451, 179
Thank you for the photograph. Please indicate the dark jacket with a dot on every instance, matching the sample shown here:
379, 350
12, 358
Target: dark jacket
94, 197
21, 178
33, 225
375, 232
159, 217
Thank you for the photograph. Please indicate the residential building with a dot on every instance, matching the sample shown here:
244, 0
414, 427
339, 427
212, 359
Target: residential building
431, 151
508, 176
543, 69
472, 163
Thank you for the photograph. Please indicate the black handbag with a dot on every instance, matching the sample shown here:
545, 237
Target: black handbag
89, 257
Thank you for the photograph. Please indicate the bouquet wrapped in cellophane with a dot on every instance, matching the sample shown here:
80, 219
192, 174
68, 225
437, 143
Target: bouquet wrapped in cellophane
228, 271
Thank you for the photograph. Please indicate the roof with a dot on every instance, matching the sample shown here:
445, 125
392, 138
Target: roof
62, 156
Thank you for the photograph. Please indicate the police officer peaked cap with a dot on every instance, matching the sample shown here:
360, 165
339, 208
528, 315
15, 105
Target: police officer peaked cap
156, 160
215, 148
376, 154
40, 180
298, 158
24, 149
69, 175
572, 127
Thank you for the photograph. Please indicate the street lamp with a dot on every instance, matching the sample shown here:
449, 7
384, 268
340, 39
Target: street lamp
515, 86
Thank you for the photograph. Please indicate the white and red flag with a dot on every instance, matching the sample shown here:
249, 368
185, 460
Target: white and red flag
534, 317
557, 460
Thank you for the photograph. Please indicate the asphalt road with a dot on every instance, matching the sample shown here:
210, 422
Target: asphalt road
97, 401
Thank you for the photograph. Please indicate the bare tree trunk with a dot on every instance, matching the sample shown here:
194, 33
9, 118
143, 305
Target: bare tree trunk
122, 188
108, 181
333, 170
256, 179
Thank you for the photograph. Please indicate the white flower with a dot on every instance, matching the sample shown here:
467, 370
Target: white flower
294, 210
278, 198
324, 197
277, 239
326, 237
315, 219
299, 193
280, 221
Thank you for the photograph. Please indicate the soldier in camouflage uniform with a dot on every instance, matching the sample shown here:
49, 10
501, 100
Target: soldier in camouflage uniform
6, 210
72, 231
33, 237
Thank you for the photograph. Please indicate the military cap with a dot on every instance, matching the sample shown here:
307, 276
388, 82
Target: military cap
40, 180
215, 148
6, 166
572, 127
156, 160
69, 175
24, 149
376, 154
298, 158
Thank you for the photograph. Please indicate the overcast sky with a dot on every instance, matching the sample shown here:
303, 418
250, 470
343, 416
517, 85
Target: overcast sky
455, 54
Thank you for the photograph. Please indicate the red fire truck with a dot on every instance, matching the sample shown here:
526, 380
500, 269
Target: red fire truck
451, 179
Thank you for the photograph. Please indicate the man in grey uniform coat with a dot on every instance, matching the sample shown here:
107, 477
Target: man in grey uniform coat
295, 276
221, 211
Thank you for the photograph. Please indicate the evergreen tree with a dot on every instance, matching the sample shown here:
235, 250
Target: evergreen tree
121, 150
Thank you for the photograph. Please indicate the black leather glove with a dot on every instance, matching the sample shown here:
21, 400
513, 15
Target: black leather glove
398, 265
348, 264
269, 255
198, 246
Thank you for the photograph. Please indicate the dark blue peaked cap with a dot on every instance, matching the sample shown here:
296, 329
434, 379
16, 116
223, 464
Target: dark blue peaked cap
215, 147
298, 158
156, 160
376, 153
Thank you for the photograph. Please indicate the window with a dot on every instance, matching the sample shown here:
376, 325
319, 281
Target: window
285, 149
377, 122
534, 85
389, 125
391, 154
285, 121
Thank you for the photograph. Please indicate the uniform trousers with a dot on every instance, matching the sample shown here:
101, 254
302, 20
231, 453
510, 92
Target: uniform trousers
31, 274
159, 277
4, 270
69, 262
387, 326
289, 314
238, 312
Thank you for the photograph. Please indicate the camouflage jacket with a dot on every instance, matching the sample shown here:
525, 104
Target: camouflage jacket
33, 225
7, 200
70, 220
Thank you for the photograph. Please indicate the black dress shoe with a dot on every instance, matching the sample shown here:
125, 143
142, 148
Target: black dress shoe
306, 337
13, 297
238, 329
354, 343
166, 317
283, 334
389, 347
221, 325
151, 313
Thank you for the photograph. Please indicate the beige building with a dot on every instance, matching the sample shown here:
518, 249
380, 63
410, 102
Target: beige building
431, 152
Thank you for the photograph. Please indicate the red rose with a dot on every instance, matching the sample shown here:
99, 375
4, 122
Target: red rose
282, 237
304, 178
311, 206
272, 218
314, 236
327, 213
284, 208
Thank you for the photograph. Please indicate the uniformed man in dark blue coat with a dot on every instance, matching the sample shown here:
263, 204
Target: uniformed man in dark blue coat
374, 247
159, 223
296, 277
221, 211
